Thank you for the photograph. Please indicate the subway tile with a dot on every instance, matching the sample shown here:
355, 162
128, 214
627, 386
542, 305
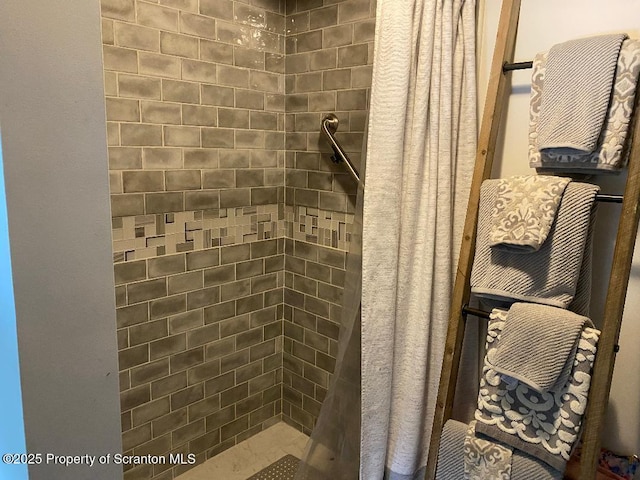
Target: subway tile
203, 298
187, 359
168, 385
187, 396
309, 41
238, 197
200, 158
235, 158
113, 134
165, 307
188, 5
120, 59
184, 283
353, 55
274, 21
218, 179
160, 112
110, 83
308, 82
130, 272
162, 158
336, 79
275, 62
177, 91
217, 8
218, 349
351, 10
186, 321
145, 332
120, 109
221, 311
156, 16
136, 436
118, 9
149, 372
296, 23
264, 121
203, 335
200, 116
352, 99
164, 202
183, 180
249, 139
137, 37
126, 205
130, 357
265, 81
297, 102
181, 136
142, 181
219, 275
248, 58
140, 134
233, 76
234, 395
235, 253
264, 195
233, 118
323, 59
322, 101
364, 31
202, 200
338, 36
249, 304
218, 138
264, 158
170, 422
361, 76
198, 25
249, 99
147, 290
215, 51
204, 407
139, 87
179, 45
232, 326
235, 290
168, 346
307, 198
188, 432
323, 17
219, 418
203, 259
216, 95
159, 65
158, 446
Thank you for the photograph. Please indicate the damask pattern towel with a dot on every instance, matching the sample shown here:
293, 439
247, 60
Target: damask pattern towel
580, 75
484, 458
611, 153
524, 211
558, 274
545, 425
451, 458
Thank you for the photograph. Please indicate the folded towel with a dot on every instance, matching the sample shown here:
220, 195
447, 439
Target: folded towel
451, 458
524, 211
612, 151
576, 93
538, 345
485, 458
556, 274
545, 425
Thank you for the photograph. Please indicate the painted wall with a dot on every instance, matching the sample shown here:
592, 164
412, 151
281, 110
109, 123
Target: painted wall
55, 161
543, 24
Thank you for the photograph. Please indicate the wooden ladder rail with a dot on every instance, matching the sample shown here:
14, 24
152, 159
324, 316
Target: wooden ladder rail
613, 310
618, 281
497, 94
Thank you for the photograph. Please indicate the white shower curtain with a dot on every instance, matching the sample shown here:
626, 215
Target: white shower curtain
420, 153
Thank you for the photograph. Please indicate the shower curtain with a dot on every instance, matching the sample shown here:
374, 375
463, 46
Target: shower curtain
420, 153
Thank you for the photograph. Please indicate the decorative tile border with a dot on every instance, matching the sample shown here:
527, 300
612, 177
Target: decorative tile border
327, 228
146, 236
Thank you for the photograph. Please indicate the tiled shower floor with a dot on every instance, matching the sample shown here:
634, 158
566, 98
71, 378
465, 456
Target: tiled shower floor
252, 455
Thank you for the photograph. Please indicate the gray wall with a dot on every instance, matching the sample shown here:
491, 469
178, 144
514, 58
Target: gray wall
54, 141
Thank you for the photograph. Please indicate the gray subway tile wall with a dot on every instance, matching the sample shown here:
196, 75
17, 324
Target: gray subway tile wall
230, 222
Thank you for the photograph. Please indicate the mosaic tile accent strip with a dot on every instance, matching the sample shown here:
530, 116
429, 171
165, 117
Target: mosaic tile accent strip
146, 236
322, 227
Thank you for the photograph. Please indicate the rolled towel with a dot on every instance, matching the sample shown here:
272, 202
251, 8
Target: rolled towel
612, 151
545, 425
576, 93
558, 274
524, 210
451, 458
538, 345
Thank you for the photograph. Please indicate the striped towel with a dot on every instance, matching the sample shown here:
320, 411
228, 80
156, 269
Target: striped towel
558, 274
577, 89
612, 152
538, 345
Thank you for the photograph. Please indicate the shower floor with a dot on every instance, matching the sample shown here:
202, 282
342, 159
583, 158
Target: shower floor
252, 455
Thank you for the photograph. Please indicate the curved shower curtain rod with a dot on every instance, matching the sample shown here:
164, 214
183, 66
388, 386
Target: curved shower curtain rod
329, 126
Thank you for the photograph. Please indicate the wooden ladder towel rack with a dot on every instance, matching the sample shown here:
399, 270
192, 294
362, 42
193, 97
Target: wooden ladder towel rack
497, 95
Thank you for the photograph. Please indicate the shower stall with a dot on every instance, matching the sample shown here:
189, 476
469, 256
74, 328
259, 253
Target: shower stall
231, 223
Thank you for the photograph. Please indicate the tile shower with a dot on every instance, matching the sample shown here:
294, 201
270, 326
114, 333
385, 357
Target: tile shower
230, 222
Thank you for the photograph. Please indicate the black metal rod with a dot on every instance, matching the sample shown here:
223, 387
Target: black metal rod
606, 198
507, 67
476, 312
